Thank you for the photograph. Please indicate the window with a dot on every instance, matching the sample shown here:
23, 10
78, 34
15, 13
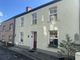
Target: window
11, 26
21, 36
34, 18
53, 40
53, 13
10, 38
3, 38
21, 39
22, 21
4, 28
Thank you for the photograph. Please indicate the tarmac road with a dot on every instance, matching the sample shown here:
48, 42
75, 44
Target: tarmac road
6, 54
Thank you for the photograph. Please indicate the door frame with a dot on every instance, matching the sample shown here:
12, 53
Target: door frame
34, 36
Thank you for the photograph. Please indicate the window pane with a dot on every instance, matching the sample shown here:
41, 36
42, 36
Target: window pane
11, 26
53, 13
53, 39
4, 27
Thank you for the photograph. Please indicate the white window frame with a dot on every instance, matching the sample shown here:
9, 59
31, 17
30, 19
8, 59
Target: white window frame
34, 18
53, 13
52, 39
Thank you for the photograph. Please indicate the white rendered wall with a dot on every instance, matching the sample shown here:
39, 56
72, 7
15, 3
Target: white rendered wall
68, 23
77, 56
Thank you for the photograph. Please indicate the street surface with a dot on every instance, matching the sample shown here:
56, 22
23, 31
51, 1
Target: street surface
6, 54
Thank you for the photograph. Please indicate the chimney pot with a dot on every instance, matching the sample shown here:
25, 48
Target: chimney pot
28, 8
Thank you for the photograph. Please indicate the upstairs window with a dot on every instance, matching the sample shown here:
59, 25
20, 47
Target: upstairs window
34, 18
4, 28
22, 21
11, 26
53, 13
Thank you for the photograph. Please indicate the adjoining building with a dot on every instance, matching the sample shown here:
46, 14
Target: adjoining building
7, 31
0, 33
46, 26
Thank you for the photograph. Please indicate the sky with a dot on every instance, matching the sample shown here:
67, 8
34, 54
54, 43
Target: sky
10, 8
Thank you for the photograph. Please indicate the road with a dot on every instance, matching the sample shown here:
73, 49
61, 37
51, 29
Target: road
6, 54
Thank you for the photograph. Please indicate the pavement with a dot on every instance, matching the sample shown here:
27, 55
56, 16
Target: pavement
33, 55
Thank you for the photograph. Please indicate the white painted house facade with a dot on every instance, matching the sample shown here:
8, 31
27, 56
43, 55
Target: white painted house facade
46, 26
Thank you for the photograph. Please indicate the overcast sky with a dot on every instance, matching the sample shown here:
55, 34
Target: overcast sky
9, 8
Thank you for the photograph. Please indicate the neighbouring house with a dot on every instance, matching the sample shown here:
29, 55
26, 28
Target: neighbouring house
0, 33
8, 30
45, 27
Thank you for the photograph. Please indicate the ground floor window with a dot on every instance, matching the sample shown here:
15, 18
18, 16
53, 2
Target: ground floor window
21, 39
53, 38
10, 38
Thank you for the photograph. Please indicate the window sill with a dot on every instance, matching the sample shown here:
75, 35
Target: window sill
52, 47
33, 24
49, 46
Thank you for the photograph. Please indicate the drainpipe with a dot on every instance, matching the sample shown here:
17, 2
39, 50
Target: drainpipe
13, 33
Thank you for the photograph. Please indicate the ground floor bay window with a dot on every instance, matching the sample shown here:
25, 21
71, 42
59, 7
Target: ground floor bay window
53, 38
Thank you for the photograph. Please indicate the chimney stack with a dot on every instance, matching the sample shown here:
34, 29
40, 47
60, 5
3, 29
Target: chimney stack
28, 9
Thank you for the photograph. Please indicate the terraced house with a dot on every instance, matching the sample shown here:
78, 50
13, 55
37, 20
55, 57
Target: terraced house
45, 27
0, 33
7, 31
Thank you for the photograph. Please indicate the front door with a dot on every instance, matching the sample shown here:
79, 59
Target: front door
34, 34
